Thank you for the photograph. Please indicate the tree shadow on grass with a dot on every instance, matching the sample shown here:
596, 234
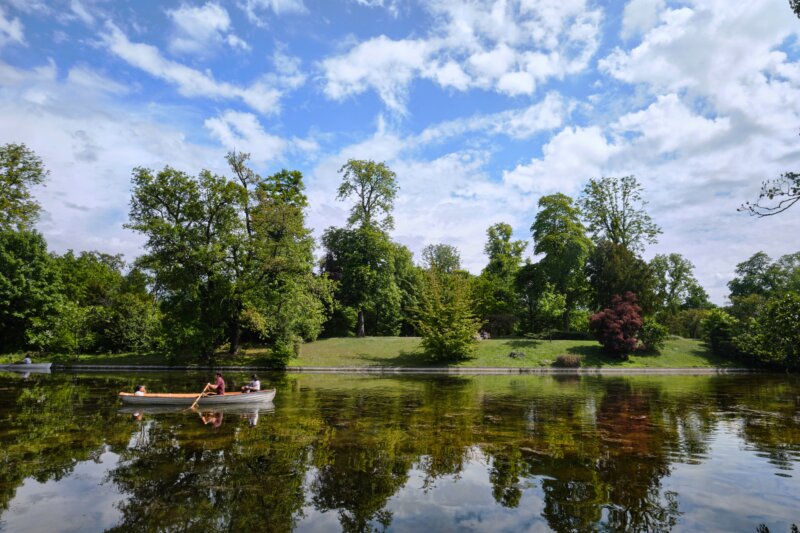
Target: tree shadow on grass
595, 356
524, 343
403, 359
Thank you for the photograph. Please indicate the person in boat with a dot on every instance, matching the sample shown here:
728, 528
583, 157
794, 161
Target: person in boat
27, 360
218, 387
139, 390
253, 386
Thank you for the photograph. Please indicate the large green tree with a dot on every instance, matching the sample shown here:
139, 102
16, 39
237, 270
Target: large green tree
614, 210
362, 261
20, 169
228, 254
442, 257
495, 296
613, 270
759, 275
560, 237
446, 321
374, 186
361, 256
675, 284
30, 286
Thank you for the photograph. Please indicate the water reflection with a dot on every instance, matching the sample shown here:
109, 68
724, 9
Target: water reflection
374, 453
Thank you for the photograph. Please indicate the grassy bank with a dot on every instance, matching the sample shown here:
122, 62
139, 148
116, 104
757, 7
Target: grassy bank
406, 351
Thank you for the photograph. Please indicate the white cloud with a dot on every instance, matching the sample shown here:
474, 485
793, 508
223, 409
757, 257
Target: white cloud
260, 95
76, 129
547, 114
87, 78
80, 11
640, 16
508, 47
11, 30
243, 132
198, 30
390, 5
383, 64
279, 7
668, 125
570, 158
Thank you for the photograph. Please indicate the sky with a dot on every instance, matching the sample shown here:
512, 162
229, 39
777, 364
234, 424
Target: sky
481, 107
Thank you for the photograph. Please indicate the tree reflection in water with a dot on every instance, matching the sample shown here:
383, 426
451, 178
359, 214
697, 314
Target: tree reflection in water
597, 449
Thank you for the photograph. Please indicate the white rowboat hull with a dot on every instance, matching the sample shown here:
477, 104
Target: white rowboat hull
187, 399
34, 367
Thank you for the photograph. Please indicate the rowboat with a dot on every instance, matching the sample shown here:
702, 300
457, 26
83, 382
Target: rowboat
32, 367
188, 398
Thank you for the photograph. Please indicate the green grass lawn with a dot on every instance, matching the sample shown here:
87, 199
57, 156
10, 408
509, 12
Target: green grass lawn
406, 352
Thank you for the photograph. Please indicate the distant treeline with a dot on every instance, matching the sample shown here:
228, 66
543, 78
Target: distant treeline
230, 260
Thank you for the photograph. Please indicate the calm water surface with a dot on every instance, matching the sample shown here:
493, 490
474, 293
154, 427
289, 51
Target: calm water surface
360, 453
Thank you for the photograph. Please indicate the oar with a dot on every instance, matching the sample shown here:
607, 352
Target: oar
198, 397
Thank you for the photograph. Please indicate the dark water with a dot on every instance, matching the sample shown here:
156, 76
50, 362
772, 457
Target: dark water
478, 453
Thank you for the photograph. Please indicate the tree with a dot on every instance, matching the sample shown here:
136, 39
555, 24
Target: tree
614, 210
495, 295
442, 257
223, 252
754, 276
612, 269
773, 337
617, 327
30, 286
795, 5
361, 260
445, 319
784, 192
374, 185
361, 257
675, 284
20, 169
559, 235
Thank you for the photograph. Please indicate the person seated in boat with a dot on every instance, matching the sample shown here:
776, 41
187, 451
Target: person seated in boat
253, 386
139, 390
27, 360
218, 387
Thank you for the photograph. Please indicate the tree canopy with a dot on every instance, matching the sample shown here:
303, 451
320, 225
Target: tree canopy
374, 186
20, 170
227, 254
441, 257
614, 210
560, 237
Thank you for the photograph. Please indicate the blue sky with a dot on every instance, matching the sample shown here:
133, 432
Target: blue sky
481, 107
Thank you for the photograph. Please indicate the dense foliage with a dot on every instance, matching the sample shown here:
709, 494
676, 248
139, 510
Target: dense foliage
617, 327
445, 318
230, 260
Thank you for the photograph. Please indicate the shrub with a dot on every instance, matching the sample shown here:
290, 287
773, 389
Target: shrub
568, 361
719, 328
617, 327
652, 336
687, 323
773, 336
444, 317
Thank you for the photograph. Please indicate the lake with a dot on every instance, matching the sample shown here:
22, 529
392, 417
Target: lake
401, 453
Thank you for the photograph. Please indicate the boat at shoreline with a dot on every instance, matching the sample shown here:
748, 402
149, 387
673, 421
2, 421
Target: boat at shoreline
30, 367
187, 399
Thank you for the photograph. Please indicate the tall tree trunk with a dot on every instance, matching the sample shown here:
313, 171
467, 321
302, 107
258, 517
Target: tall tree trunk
360, 328
235, 332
